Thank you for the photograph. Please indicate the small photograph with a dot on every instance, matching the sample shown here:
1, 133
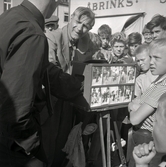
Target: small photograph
105, 92
131, 74
96, 97
114, 75
123, 74
117, 94
128, 93
96, 76
106, 75
114, 95
121, 90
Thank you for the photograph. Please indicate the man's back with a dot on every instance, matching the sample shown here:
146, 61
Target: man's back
23, 53
17, 24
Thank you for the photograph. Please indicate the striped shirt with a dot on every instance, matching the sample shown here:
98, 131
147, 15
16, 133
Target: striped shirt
151, 97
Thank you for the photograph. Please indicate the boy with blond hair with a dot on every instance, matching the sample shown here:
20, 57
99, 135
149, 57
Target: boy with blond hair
142, 108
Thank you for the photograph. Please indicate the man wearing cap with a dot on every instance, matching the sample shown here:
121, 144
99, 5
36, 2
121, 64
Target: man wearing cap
51, 25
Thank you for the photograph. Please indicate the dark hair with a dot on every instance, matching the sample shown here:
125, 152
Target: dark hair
118, 37
145, 30
95, 40
105, 30
157, 20
134, 38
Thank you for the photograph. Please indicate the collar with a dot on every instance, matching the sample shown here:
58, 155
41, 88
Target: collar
35, 12
117, 57
160, 79
69, 36
145, 72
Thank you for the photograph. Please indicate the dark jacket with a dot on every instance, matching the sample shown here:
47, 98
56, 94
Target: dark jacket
25, 72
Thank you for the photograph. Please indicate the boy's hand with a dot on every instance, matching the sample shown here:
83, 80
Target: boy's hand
143, 153
134, 105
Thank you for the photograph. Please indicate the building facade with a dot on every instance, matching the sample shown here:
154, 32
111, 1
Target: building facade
62, 10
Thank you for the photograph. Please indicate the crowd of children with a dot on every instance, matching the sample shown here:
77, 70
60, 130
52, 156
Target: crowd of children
44, 118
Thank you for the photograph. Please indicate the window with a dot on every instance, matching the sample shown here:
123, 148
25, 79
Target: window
65, 1
66, 17
7, 4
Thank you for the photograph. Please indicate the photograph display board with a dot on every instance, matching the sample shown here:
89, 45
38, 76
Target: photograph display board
107, 85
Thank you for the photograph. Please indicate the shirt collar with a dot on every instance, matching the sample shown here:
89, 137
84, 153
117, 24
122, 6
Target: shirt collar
36, 13
160, 79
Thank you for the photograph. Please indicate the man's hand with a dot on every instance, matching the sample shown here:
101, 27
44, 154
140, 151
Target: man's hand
143, 153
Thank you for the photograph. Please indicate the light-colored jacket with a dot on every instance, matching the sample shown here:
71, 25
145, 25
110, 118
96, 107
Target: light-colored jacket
83, 51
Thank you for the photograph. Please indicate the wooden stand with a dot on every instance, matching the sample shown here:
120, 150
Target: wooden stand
106, 155
106, 161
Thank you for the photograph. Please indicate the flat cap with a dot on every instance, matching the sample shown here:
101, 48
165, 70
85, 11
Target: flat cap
52, 19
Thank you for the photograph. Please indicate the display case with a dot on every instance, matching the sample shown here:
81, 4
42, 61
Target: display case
106, 86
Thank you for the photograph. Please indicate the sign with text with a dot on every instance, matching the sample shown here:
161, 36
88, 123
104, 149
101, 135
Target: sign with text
121, 10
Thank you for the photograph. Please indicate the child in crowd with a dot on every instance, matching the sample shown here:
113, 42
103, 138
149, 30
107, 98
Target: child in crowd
133, 41
96, 49
142, 108
148, 37
105, 33
157, 26
144, 153
144, 80
118, 44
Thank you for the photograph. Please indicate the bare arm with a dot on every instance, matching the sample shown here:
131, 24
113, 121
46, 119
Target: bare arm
136, 117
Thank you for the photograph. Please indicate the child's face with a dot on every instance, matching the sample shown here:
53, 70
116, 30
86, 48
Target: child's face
118, 48
132, 48
143, 60
105, 41
158, 33
148, 37
158, 60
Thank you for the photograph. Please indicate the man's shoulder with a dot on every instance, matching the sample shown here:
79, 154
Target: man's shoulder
19, 24
58, 33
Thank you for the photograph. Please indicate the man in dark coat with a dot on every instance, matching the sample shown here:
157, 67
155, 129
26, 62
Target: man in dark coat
27, 78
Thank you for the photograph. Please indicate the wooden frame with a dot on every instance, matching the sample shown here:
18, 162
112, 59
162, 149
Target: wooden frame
106, 86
